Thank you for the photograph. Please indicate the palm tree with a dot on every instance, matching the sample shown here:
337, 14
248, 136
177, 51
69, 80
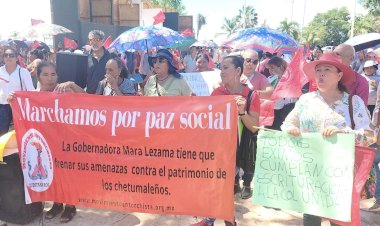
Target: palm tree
230, 26
291, 28
247, 17
200, 22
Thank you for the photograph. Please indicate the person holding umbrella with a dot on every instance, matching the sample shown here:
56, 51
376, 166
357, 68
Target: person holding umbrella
166, 81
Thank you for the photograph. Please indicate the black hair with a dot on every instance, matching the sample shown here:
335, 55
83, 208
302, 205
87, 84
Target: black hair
268, 54
341, 87
39, 53
124, 71
43, 64
202, 55
237, 61
278, 61
12, 49
318, 47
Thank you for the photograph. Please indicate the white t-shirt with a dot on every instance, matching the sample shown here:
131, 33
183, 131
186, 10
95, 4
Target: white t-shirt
190, 64
11, 82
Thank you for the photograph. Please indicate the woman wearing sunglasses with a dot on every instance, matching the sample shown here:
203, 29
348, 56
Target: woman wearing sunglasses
166, 81
12, 78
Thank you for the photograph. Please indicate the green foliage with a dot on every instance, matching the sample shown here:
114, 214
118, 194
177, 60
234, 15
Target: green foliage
373, 6
290, 27
329, 28
364, 24
246, 18
177, 5
230, 25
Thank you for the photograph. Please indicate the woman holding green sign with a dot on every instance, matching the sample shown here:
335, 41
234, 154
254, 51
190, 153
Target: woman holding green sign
330, 109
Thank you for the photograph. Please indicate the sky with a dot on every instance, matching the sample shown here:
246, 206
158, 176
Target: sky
271, 11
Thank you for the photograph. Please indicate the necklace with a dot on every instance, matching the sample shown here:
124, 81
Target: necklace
161, 80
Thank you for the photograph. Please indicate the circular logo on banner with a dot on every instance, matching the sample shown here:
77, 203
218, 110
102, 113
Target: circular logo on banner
36, 161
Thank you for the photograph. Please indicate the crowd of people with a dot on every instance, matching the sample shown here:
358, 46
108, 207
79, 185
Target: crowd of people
344, 79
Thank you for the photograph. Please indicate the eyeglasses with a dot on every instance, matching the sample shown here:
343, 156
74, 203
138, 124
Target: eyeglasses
253, 61
95, 40
10, 55
159, 59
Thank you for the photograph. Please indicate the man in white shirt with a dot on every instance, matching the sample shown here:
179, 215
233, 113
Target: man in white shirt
12, 78
189, 60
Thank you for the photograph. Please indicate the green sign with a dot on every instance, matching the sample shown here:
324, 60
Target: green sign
309, 174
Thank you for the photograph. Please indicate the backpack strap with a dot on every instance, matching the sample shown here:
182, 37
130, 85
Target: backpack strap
19, 76
351, 111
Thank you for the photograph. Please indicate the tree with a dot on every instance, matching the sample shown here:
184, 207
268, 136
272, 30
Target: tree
177, 5
364, 24
247, 17
373, 6
290, 27
201, 20
230, 25
331, 27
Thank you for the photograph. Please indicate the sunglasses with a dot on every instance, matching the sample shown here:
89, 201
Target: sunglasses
95, 40
159, 59
10, 55
253, 61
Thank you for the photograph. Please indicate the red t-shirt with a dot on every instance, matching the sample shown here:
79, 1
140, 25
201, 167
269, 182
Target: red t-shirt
255, 103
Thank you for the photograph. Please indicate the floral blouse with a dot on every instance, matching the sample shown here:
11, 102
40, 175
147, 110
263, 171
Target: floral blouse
312, 114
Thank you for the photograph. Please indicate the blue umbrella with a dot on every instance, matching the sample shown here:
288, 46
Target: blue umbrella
145, 37
262, 38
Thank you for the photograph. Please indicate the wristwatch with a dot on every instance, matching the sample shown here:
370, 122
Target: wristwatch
241, 114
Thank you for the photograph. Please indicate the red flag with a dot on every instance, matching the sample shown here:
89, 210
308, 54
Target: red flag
187, 32
312, 86
308, 52
107, 42
363, 162
266, 112
69, 44
35, 21
35, 45
159, 18
292, 80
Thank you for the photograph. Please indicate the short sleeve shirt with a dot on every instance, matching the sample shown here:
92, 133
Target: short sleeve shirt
172, 87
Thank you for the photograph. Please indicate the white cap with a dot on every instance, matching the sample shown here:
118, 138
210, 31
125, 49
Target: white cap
370, 63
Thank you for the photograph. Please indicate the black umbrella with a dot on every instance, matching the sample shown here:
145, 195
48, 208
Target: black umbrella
364, 41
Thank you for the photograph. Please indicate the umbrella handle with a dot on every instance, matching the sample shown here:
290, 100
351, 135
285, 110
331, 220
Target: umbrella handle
146, 43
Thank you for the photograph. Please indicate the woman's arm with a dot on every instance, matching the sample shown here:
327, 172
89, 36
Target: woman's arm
250, 119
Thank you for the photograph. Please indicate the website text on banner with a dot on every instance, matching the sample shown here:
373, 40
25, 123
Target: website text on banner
138, 154
309, 174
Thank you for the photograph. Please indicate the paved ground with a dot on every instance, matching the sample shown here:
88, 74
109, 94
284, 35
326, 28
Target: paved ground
246, 213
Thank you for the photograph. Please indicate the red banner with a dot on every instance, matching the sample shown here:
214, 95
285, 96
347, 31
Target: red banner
166, 155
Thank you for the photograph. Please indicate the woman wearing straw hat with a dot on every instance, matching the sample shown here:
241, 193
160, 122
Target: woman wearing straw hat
326, 110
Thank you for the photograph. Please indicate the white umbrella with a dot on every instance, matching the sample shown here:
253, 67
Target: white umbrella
364, 41
205, 43
43, 29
